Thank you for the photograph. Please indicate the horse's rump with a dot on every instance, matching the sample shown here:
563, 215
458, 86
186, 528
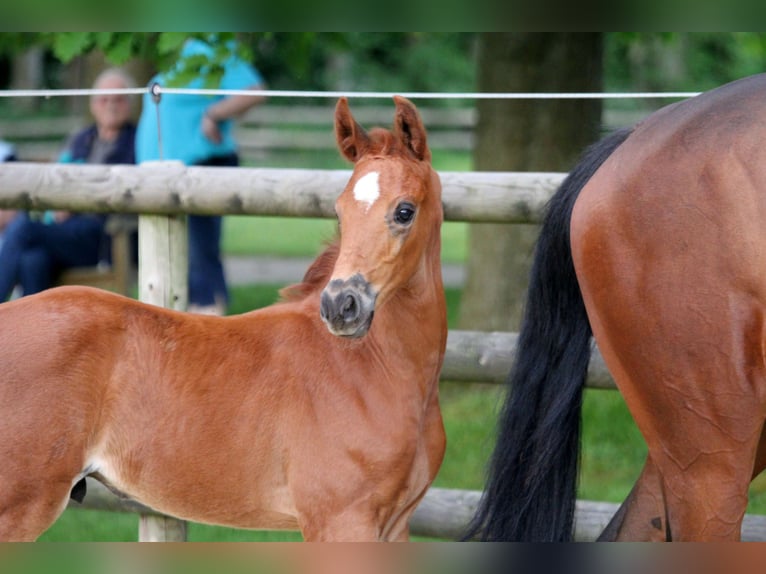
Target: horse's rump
668, 242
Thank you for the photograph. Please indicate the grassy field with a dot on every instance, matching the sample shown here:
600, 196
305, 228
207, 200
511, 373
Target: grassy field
299, 237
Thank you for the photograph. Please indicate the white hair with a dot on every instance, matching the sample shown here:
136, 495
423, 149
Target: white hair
120, 73
123, 76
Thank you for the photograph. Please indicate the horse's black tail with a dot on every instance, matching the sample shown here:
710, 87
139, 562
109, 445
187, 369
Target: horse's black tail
532, 478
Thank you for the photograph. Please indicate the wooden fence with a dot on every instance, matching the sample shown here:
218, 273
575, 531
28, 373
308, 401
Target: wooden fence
267, 128
171, 190
274, 127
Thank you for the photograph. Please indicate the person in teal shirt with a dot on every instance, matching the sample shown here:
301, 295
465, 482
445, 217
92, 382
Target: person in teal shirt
198, 130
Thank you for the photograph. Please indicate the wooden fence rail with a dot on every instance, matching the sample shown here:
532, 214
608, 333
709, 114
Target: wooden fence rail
283, 127
482, 357
264, 129
500, 197
175, 189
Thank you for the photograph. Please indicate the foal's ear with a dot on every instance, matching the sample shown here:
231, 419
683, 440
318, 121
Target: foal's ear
351, 138
409, 128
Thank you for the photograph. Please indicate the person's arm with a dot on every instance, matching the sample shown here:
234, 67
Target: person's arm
227, 109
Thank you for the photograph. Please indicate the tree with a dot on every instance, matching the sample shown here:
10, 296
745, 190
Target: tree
525, 135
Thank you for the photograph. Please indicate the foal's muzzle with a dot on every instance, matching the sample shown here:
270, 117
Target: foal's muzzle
347, 306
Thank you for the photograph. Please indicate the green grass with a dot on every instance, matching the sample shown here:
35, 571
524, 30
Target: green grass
442, 160
275, 236
299, 237
79, 525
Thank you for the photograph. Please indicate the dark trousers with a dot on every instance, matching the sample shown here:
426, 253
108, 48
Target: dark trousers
207, 281
33, 253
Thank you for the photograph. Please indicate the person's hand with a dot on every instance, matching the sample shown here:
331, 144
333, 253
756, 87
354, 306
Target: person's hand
6, 215
61, 216
210, 128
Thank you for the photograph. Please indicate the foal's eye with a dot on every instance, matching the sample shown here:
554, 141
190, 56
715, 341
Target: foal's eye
404, 213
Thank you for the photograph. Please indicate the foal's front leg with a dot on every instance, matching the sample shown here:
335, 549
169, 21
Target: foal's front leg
353, 524
29, 506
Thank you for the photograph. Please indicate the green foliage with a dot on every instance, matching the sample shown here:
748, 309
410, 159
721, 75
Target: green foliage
390, 61
295, 60
118, 47
15, 42
695, 61
70, 44
210, 67
412, 61
162, 49
171, 42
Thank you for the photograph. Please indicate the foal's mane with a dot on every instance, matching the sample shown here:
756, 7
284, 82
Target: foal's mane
383, 142
316, 275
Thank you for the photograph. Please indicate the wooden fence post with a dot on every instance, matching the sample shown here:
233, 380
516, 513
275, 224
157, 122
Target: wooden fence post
163, 255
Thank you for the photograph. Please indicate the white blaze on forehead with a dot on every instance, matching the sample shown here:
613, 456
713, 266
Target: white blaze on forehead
367, 190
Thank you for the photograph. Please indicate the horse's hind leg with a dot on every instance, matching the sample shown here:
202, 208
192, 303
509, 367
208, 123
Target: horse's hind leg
701, 416
760, 456
642, 516
684, 337
696, 397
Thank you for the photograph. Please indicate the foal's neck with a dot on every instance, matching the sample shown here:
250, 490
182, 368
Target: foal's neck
423, 296
316, 276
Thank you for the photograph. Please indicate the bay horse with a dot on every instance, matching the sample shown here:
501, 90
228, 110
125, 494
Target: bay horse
655, 244
308, 414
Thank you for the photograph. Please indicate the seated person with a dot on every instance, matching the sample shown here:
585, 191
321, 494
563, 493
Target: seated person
35, 250
7, 153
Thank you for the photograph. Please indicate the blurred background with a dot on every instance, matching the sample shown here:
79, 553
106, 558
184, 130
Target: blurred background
490, 261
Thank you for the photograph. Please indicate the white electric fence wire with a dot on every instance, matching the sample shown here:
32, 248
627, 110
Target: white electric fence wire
336, 94
156, 91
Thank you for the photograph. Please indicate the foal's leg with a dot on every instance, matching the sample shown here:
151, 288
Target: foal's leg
39, 464
357, 524
350, 525
28, 507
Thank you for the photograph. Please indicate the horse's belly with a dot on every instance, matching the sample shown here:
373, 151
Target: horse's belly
221, 502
